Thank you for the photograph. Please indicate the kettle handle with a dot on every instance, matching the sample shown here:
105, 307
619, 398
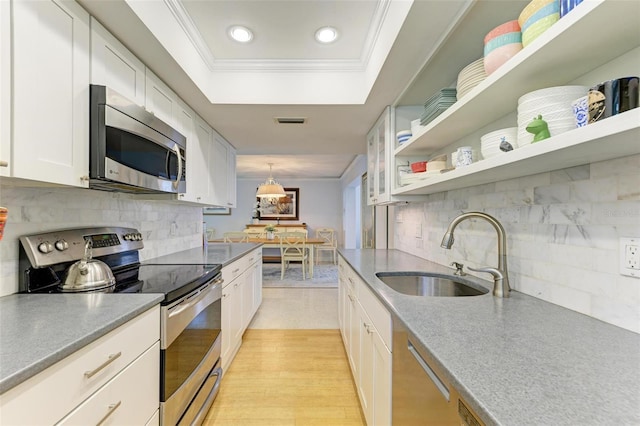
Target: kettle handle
88, 254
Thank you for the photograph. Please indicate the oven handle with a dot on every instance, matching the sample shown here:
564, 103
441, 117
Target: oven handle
199, 418
187, 303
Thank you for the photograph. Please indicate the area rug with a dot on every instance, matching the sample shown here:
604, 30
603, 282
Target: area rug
323, 276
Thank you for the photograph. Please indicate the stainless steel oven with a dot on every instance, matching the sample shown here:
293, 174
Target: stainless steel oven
190, 342
191, 310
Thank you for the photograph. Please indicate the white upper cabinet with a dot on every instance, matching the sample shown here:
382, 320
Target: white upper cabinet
222, 171
160, 99
378, 141
50, 92
114, 66
5, 88
198, 148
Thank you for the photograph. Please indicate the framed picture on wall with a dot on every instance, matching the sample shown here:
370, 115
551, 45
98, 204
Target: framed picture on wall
216, 210
285, 208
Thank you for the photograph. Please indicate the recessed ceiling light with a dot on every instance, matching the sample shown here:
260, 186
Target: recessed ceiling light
326, 35
240, 34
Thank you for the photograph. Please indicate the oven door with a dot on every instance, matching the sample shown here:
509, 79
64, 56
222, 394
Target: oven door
190, 344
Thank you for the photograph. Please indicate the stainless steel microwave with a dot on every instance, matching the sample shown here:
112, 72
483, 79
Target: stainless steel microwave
131, 150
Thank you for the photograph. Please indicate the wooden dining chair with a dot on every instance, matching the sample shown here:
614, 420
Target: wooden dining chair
255, 232
330, 243
293, 248
235, 237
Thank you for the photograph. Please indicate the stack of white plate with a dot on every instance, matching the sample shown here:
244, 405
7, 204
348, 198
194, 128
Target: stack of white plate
490, 143
470, 76
437, 104
553, 104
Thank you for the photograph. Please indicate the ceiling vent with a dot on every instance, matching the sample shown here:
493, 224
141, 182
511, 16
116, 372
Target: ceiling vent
290, 120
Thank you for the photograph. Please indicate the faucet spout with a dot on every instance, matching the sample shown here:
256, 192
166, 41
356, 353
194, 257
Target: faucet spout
501, 279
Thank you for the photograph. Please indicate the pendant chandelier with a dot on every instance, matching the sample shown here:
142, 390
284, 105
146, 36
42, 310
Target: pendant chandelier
271, 188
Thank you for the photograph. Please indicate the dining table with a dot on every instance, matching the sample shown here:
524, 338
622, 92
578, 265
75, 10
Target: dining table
275, 243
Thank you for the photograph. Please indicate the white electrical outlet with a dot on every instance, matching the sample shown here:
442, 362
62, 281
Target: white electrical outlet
630, 257
419, 230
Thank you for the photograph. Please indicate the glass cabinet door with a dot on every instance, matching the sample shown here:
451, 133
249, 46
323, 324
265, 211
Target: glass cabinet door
372, 162
382, 182
377, 139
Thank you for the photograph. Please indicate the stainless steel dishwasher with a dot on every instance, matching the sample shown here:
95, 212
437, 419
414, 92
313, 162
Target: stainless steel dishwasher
420, 395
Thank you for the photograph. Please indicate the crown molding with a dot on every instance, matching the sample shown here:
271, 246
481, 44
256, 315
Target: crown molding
187, 24
183, 18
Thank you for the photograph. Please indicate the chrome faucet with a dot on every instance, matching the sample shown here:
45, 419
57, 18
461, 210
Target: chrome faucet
500, 278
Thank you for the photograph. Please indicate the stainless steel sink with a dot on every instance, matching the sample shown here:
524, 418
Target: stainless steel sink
429, 284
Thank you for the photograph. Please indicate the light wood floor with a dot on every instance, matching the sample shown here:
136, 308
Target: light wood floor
288, 377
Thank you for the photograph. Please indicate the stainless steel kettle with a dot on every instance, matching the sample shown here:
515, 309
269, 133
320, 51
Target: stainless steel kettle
87, 274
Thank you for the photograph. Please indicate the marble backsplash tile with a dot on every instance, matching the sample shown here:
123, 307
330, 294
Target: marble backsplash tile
562, 234
167, 227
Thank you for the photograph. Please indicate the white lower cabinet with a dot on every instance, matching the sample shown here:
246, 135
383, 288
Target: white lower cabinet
117, 377
241, 297
366, 326
130, 398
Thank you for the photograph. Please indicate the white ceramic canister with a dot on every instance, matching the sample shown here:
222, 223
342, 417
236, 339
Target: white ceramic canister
464, 156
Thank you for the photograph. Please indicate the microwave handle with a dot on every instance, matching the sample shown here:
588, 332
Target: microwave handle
176, 148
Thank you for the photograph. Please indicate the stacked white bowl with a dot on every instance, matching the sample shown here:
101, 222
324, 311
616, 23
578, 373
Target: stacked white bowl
404, 135
470, 76
490, 143
553, 104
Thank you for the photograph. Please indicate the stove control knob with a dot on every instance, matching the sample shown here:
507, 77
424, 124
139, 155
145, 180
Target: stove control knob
62, 245
126, 237
139, 236
45, 247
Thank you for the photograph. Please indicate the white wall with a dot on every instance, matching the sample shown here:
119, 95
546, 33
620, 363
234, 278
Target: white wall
320, 205
562, 234
166, 227
350, 183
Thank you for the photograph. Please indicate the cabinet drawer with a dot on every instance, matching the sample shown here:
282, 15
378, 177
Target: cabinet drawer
253, 257
63, 386
130, 398
379, 315
233, 271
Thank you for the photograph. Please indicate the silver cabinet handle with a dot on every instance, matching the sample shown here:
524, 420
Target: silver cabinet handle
112, 357
427, 369
235, 271
112, 408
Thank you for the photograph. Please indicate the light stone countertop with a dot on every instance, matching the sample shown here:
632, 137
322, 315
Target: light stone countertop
38, 330
520, 360
215, 253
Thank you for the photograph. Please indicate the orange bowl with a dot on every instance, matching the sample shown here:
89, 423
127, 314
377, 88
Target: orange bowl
507, 27
420, 166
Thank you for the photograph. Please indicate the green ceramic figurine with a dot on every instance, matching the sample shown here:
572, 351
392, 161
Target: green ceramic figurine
539, 128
